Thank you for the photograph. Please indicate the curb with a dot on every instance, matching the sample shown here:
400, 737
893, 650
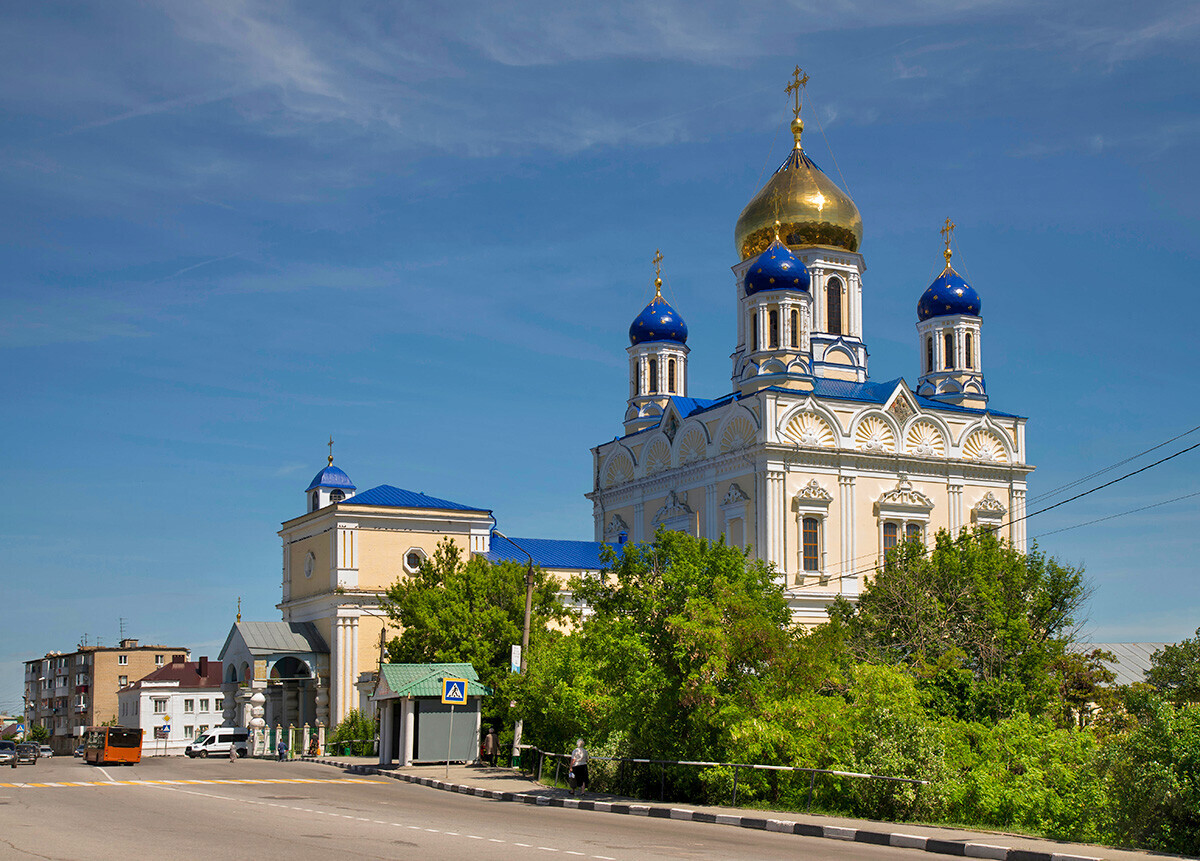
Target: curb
896, 839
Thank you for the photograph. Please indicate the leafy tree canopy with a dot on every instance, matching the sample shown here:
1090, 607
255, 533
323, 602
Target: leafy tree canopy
456, 610
1175, 670
39, 733
978, 621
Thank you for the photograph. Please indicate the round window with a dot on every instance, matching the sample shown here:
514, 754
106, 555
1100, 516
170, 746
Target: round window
413, 559
310, 562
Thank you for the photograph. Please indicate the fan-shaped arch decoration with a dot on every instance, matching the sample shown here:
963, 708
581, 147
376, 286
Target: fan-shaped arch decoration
658, 457
926, 440
692, 446
739, 433
811, 430
874, 434
984, 445
620, 470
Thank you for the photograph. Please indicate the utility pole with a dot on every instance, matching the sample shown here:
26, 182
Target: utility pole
519, 725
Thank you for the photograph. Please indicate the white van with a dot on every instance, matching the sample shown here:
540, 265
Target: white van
216, 742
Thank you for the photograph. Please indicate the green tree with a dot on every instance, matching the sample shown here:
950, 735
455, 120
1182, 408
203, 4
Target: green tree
356, 730
39, 733
1175, 670
456, 610
979, 622
676, 648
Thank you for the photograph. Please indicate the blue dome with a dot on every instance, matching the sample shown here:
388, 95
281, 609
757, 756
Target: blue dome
949, 294
658, 322
776, 269
331, 476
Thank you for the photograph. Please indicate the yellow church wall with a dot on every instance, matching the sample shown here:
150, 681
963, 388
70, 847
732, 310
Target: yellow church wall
305, 587
381, 554
368, 642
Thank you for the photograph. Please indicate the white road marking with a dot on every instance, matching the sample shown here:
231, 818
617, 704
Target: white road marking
105, 773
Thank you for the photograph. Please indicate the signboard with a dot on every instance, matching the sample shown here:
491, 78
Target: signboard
163, 731
454, 692
514, 662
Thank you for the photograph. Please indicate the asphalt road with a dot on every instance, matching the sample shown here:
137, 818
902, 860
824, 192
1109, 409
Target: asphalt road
174, 808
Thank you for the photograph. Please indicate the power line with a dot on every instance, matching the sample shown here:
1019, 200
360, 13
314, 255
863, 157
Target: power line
1122, 514
1100, 472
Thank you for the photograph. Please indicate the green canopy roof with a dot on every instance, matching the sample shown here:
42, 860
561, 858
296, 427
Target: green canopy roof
424, 680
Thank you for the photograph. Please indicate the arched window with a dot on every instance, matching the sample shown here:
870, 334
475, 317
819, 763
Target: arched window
754, 329
891, 536
811, 532
929, 355
795, 328
316, 500
336, 496
773, 325
912, 532
670, 376
833, 306
970, 351
653, 381
948, 358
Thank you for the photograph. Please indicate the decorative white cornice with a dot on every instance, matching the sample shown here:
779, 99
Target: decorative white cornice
616, 525
990, 504
734, 495
675, 506
904, 497
813, 492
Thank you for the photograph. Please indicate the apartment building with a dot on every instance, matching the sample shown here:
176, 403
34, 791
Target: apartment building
67, 692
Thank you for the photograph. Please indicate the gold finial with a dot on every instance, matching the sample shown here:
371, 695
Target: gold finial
331, 449
657, 261
239, 615
947, 234
799, 81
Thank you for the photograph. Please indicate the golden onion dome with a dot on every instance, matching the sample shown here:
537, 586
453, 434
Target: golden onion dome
810, 208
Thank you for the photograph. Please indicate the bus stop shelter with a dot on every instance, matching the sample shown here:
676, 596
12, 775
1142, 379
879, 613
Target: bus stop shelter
415, 726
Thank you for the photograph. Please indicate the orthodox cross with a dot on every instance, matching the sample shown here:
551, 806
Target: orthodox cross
330, 449
799, 80
947, 234
239, 615
657, 261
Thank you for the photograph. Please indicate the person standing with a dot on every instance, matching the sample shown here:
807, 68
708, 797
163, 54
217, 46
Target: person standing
490, 746
232, 752
281, 748
579, 767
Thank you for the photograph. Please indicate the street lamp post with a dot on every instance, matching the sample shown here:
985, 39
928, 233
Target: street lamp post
519, 725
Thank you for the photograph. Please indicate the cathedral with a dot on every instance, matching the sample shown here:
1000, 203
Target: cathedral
807, 462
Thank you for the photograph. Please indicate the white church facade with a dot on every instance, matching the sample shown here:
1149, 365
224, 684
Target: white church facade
807, 462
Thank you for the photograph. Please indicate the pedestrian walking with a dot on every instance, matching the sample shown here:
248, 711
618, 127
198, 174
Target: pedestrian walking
490, 746
579, 768
281, 748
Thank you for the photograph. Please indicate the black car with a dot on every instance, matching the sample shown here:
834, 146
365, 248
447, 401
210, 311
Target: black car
28, 752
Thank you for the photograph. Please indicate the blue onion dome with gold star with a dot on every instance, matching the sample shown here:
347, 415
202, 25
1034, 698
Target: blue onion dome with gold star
776, 269
949, 294
658, 321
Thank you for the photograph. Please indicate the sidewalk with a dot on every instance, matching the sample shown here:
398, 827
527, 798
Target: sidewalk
505, 784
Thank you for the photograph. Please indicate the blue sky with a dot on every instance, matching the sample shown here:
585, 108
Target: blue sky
233, 228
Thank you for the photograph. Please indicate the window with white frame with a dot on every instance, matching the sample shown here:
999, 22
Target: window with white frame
903, 514
160, 705
203, 705
811, 505
188, 732
122, 681
189, 706
122, 659
158, 660
219, 704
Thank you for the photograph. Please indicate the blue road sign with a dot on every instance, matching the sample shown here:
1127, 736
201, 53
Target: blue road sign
454, 692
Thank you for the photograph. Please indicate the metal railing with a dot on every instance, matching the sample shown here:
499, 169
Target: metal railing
632, 762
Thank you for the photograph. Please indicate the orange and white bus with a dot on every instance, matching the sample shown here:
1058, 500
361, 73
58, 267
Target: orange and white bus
104, 745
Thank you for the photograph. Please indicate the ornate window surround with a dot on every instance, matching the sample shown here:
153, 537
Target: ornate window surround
735, 506
675, 514
988, 512
812, 501
904, 505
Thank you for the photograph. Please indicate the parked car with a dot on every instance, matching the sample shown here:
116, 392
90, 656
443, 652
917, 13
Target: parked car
45, 751
8, 753
79, 750
27, 752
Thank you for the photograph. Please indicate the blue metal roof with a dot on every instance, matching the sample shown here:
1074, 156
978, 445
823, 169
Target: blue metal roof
548, 552
330, 476
691, 406
396, 497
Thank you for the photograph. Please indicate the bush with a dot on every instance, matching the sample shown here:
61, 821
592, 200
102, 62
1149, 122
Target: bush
358, 731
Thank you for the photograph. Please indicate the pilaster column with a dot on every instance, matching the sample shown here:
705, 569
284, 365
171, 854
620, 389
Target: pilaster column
775, 522
847, 584
639, 517
335, 671
955, 514
354, 661
1017, 509
710, 512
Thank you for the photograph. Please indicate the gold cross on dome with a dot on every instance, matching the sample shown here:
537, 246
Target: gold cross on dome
799, 80
657, 261
947, 234
331, 449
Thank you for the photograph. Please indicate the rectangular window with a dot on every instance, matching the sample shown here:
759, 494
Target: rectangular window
219, 704
158, 660
122, 681
912, 532
203, 705
189, 706
810, 543
891, 536
160, 706
122, 659
203, 728
187, 732
773, 326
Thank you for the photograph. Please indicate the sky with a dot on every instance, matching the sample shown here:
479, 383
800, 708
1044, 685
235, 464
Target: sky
233, 229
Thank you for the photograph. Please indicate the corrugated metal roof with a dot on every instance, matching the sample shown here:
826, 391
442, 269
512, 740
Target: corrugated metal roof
1133, 659
425, 680
548, 552
397, 497
264, 638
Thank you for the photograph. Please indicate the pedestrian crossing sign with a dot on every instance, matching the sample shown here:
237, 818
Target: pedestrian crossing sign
454, 692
